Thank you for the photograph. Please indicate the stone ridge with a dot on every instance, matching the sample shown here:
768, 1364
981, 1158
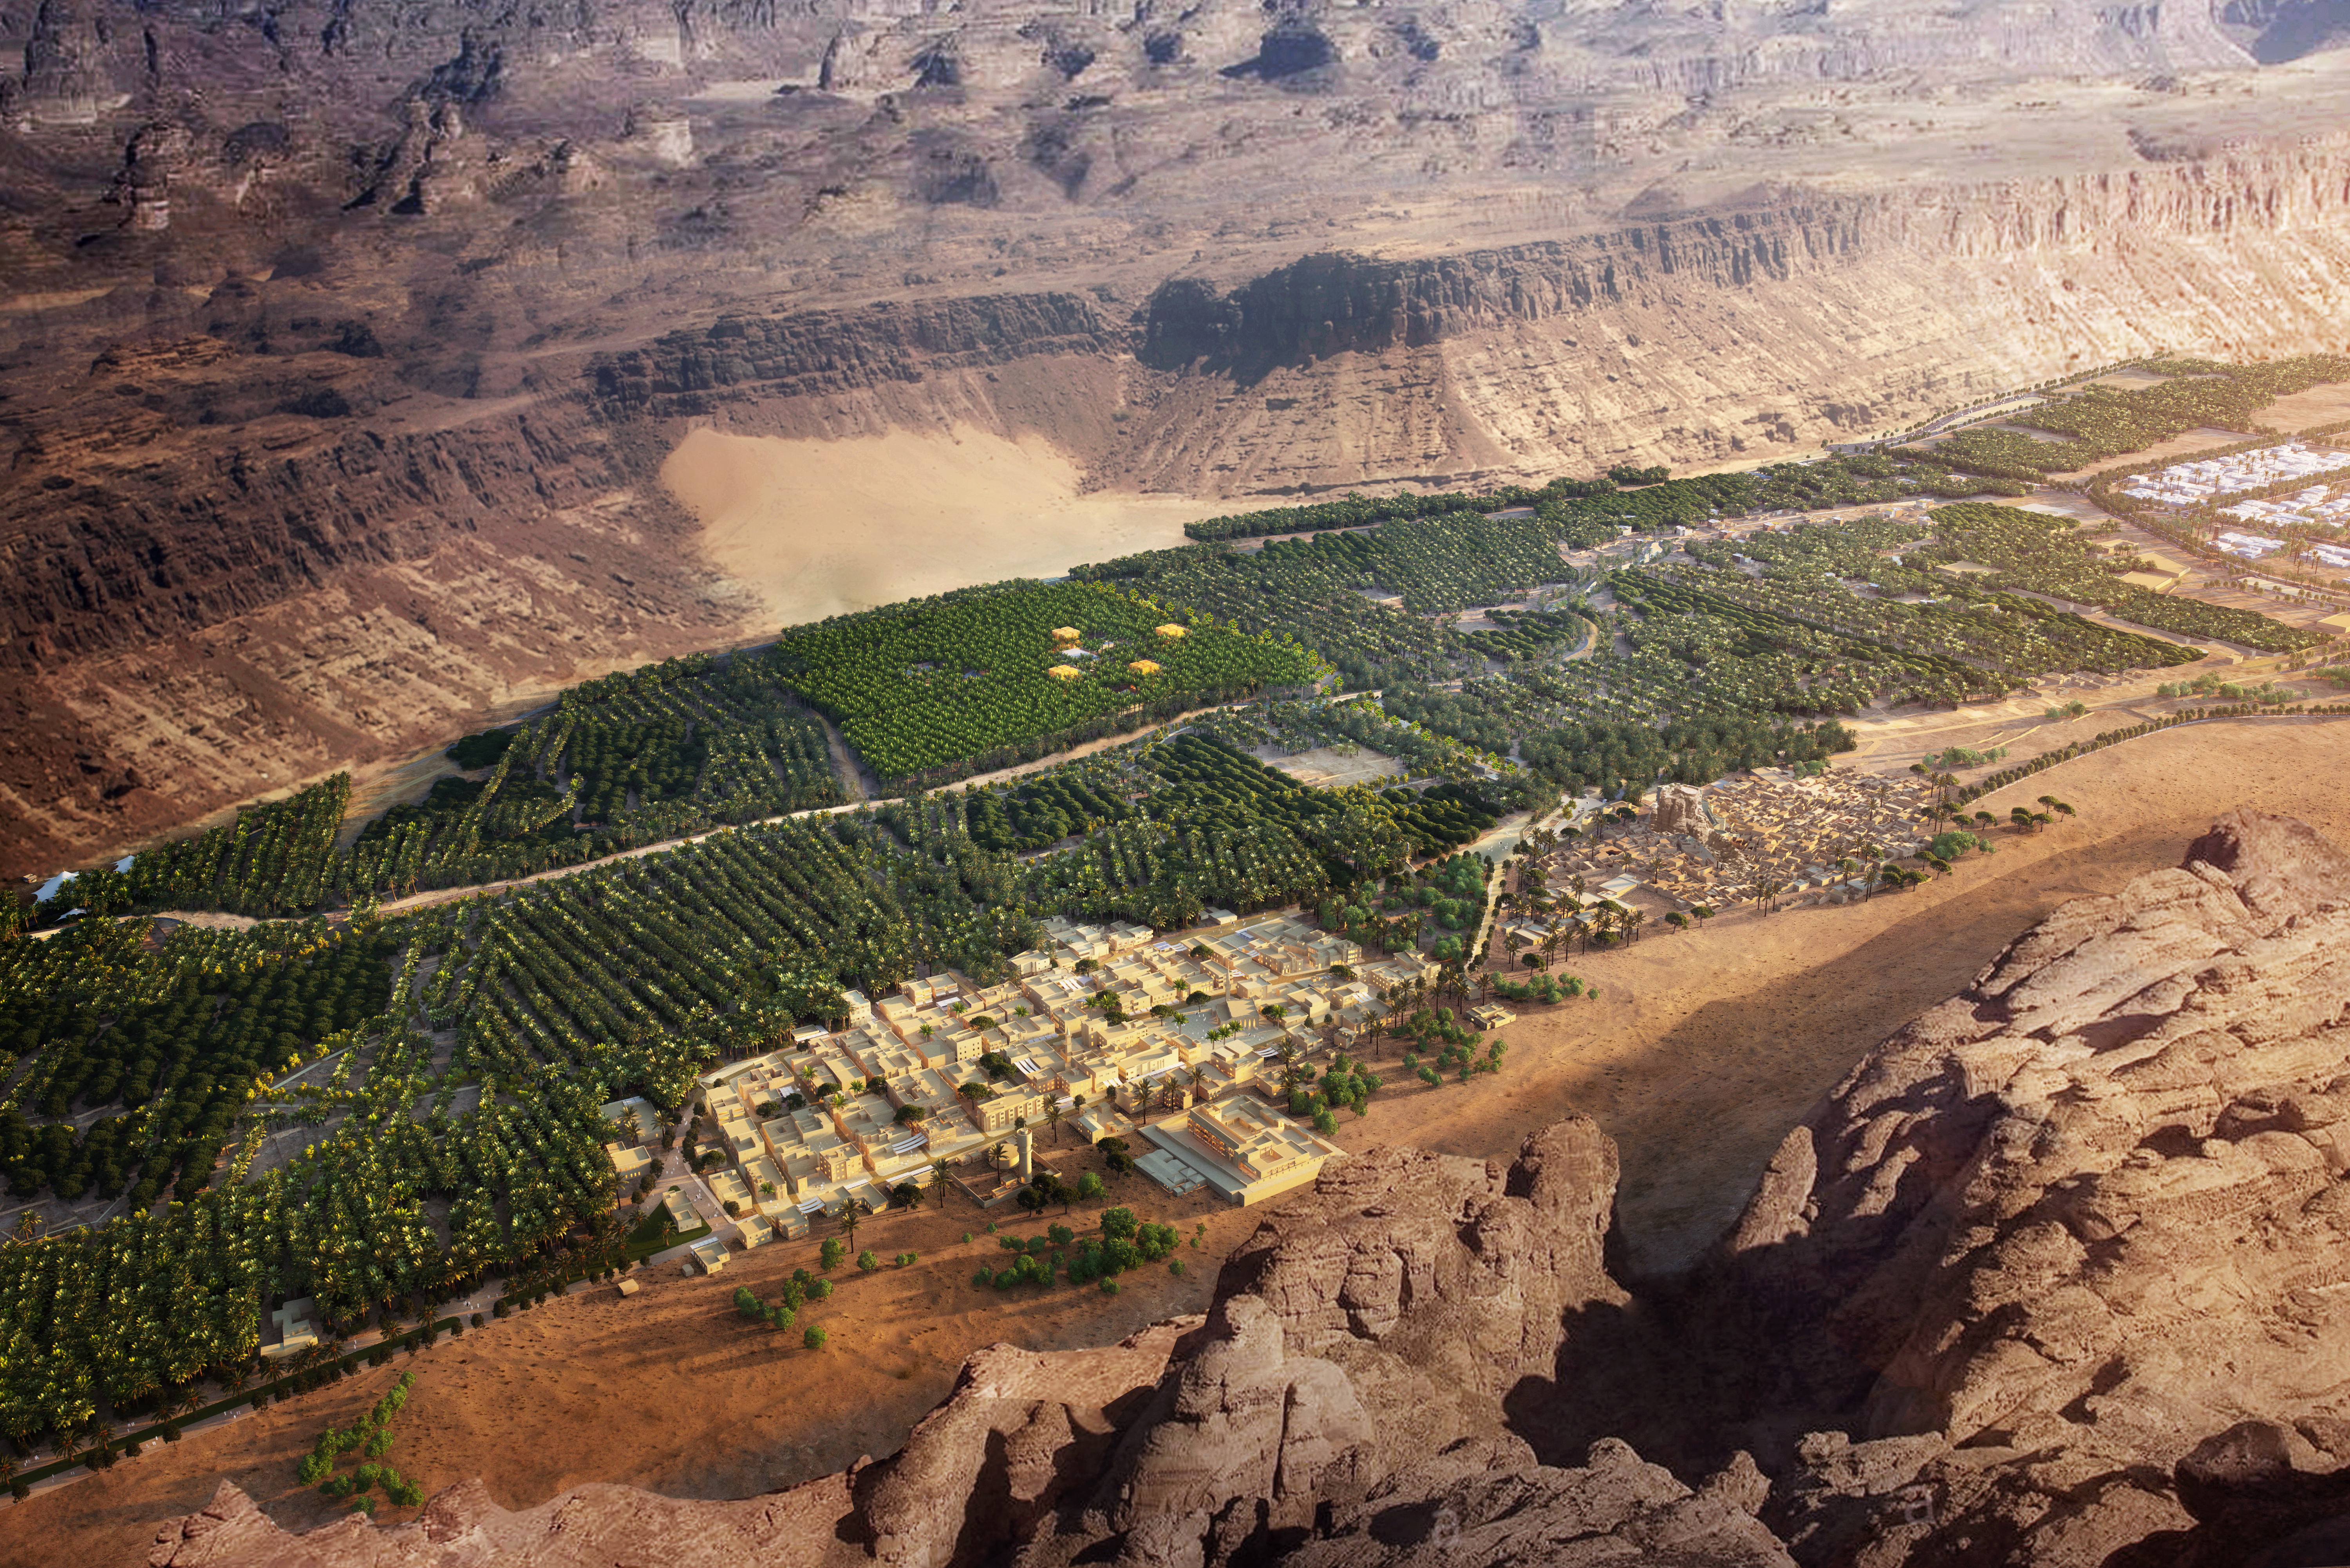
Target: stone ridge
1311, 1416
1334, 303
2073, 1243
816, 351
2055, 1275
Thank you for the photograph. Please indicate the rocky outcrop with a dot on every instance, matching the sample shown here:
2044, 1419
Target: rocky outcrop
1681, 808
814, 352
2054, 1240
143, 188
1310, 1419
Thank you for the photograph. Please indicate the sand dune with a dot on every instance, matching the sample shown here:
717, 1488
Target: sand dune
819, 527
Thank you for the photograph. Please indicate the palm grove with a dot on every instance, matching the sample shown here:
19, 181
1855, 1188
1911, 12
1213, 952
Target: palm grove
381, 1112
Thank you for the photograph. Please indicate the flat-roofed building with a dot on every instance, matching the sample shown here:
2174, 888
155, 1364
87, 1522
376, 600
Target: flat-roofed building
637, 1112
888, 1060
994, 1116
865, 1120
739, 1134
730, 1189
1100, 1120
812, 1153
769, 1191
1248, 1151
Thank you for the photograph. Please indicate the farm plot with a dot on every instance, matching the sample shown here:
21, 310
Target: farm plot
2049, 555
980, 679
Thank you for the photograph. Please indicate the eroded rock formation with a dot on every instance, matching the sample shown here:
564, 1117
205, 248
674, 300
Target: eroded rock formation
2069, 1244
1315, 245
2054, 1276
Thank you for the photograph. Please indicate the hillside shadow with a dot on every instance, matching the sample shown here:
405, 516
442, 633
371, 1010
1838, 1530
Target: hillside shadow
1692, 1151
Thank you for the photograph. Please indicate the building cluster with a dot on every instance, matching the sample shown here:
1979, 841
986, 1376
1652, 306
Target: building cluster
1767, 826
2257, 547
2187, 484
1105, 1031
2249, 546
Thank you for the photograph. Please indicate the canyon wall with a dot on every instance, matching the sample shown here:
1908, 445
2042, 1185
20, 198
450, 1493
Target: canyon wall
344, 355
231, 486
2053, 1277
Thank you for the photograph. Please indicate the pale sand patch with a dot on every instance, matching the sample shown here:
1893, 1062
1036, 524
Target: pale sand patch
1332, 768
818, 528
2202, 439
2321, 405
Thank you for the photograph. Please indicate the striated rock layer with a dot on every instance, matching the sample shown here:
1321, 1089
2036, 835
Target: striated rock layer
2055, 1276
2072, 1246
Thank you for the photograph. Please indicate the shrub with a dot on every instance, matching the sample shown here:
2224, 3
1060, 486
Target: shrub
868, 1261
813, 1337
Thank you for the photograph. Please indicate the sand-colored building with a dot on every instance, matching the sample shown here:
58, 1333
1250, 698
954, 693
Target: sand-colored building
1243, 1149
1188, 1031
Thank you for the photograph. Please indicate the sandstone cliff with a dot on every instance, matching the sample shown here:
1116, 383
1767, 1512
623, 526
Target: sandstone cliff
2077, 1234
2053, 1277
313, 320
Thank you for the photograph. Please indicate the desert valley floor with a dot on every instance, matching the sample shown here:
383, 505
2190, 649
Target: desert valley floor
1702, 1050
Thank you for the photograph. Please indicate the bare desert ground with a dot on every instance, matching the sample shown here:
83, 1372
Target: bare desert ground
1336, 767
818, 528
1701, 1050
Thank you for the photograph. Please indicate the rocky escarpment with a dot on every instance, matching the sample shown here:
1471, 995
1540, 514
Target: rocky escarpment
806, 353
1331, 303
460, 273
2072, 1246
2054, 1276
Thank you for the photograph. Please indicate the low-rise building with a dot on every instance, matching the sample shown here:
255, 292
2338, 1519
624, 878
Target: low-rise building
1243, 1149
769, 1191
995, 1116
297, 1323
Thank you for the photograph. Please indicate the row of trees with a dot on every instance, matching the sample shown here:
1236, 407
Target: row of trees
919, 686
